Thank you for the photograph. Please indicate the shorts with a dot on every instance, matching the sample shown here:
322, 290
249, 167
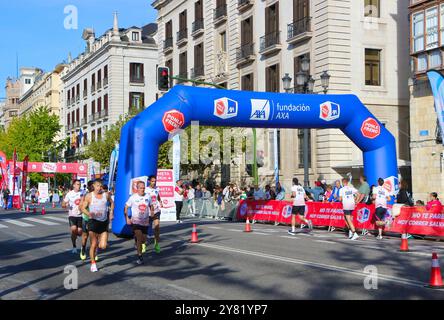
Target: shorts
300, 210
98, 226
144, 229
85, 225
76, 221
155, 217
348, 212
380, 213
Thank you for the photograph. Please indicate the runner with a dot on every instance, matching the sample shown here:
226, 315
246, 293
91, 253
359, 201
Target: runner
299, 195
72, 202
153, 192
33, 192
98, 220
85, 219
347, 197
141, 210
178, 199
381, 196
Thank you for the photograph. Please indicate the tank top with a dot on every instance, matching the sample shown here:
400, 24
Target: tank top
98, 207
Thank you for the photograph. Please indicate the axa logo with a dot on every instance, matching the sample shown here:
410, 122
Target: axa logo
329, 111
225, 108
260, 109
363, 215
286, 211
243, 209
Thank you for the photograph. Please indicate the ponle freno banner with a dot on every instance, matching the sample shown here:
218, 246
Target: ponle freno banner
413, 220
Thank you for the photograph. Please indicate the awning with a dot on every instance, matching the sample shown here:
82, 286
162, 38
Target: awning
357, 164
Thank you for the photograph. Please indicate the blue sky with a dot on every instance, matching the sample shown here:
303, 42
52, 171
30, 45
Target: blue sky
35, 29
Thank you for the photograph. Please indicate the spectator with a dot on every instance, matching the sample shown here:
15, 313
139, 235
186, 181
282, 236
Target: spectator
280, 192
206, 195
190, 202
335, 193
364, 190
370, 196
6, 194
404, 196
434, 205
178, 199
243, 195
258, 193
328, 193
218, 199
419, 203
198, 192
269, 193
33, 192
250, 193
324, 185
317, 191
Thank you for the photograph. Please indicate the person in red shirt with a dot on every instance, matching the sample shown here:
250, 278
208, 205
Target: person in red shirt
434, 204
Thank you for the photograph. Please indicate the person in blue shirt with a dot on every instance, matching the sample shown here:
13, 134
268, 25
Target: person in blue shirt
280, 192
335, 193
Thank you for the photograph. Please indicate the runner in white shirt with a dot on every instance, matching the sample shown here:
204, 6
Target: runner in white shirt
347, 196
154, 192
299, 195
141, 210
381, 196
72, 201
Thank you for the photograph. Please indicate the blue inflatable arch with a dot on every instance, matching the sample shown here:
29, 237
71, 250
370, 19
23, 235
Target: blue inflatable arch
142, 136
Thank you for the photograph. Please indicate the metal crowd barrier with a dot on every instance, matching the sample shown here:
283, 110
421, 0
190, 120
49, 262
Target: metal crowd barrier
209, 209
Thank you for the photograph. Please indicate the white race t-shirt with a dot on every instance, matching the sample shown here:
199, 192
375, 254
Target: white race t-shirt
154, 194
381, 197
177, 196
140, 209
348, 200
73, 199
299, 199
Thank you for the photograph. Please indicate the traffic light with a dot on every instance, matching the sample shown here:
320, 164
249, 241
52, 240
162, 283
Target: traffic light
163, 78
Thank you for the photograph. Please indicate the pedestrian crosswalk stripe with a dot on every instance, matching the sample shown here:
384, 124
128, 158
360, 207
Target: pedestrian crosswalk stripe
48, 223
18, 223
57, 219
3, 226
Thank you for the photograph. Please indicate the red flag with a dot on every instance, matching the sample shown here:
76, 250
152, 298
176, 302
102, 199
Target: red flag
14, 158
24, 177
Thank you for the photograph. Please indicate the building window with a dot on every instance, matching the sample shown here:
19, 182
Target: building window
247, 82
169, 29
372, 67
272, 78
68, 120
169, 65
435, 59
301, 148
99, 105
93, 107
371, 8
93, 136
199, 60
432, 28
223, 41
13, 113
27, 81
136, 100
442, 23
136, 72
85, 112
135, 36
105, 103
183, 67
99, 134
418, 32
421, 62
85, 139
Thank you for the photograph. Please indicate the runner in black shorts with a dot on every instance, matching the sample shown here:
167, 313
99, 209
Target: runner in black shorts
154, 192
381, 196
72, 202
85, 220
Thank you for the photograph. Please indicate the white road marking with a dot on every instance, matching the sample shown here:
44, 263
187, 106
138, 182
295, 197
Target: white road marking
359, 273
48, 223
189, 291
18, 223
235, 230
217, 228
3, 226
289, 237
261, 233
57, 219
326, 241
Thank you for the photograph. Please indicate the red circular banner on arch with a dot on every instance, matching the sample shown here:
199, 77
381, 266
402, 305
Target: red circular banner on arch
370, 128
173, 120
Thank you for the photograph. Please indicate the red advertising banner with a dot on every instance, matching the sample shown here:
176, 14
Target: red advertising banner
3, 171
24, 177
47, 167
413, 220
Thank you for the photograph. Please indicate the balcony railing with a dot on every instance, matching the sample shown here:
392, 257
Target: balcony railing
243, 4
68, 102
85, 93
220, 13
197, 72
197, 26
99, 85
270, 40
137, 79
168, 44
77, 97
245, 51
83, 122
104, 113
105, 82
298, 27
182, 35
93, 88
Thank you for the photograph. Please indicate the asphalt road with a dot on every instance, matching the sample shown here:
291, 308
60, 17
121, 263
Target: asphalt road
227, 263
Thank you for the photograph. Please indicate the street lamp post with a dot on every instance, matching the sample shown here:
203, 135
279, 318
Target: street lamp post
305, 82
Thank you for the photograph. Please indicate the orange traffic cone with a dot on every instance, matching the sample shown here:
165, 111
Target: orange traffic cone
404, 243
34, 210
435, 275
43, 210
248, 226
194, 235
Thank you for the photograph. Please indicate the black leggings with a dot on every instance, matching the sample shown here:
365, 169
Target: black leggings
179, 205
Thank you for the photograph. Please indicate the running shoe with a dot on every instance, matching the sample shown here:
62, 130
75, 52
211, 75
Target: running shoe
409, 236
355, 237
350, 234
82, 255
94, 267
74, 250
143, 247
291, 232
139, 260
157, 247
379, 237
310, 225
